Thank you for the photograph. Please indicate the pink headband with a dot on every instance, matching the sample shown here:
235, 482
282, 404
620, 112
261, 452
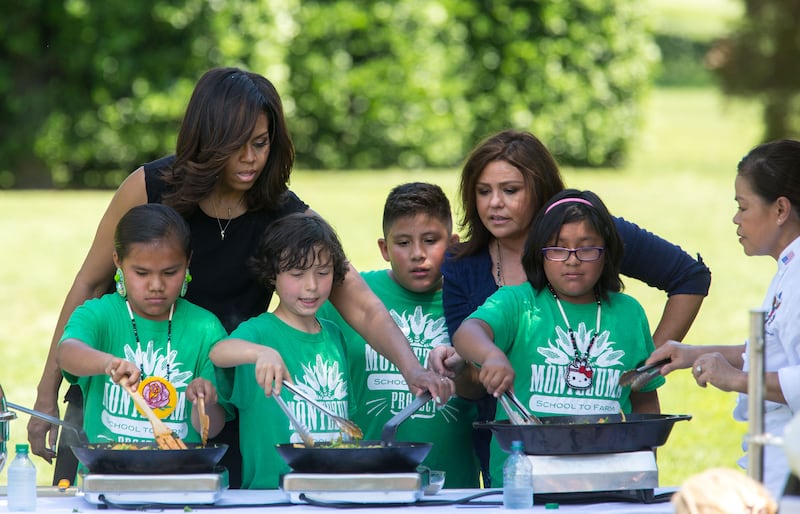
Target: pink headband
568, 200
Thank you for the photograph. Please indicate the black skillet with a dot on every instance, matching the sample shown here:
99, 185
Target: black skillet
579, 435
384, 456
102, 458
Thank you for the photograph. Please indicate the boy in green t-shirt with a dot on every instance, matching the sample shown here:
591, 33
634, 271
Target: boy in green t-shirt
303, 258
417, 230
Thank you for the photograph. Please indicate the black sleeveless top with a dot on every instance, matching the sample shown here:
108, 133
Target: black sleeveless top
222, 280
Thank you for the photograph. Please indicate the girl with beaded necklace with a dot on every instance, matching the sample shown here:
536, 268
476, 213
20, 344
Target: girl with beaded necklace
144, 335
562, 339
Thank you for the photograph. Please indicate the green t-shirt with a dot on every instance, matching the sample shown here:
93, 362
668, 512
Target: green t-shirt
105, 324
380, 391
530, 330
317, 365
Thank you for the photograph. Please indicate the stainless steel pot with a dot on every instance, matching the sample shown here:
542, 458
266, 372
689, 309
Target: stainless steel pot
5, 417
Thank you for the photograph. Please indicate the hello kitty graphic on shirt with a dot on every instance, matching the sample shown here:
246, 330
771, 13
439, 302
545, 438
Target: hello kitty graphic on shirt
568, 385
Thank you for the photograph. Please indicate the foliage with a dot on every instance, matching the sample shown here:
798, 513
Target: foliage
572, 72
418, 82
377, 84
760, 59
93, 89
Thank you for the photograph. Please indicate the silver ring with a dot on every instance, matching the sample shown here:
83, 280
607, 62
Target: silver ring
443, 379
699, 369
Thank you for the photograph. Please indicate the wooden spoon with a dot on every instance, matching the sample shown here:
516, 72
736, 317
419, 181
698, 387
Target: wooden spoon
165, 437
204, 421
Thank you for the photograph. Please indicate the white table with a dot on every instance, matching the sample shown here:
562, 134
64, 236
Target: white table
72, 501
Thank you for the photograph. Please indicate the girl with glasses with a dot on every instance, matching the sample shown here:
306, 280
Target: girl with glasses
562, 339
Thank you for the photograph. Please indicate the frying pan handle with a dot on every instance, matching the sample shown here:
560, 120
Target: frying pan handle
390, 428
82, 438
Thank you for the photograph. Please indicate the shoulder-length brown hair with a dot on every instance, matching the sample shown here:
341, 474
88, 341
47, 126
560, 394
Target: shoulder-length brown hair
520, 149
219, 120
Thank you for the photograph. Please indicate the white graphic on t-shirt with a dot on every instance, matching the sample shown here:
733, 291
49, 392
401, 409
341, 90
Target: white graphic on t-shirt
423, 332
321, 381
562, 353
120, 416
549, 392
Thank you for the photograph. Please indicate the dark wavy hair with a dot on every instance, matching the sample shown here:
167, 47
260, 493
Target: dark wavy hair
520, 149
773, 170
547, 226
219, 120
151, 222
294, 242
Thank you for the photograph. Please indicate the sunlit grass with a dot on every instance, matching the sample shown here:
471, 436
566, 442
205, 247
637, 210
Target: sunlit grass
678, 183
692, 19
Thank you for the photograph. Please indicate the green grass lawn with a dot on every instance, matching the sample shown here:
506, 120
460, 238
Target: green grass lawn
678, 183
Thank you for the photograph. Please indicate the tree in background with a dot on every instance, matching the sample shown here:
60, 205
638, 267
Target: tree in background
378, 84
93, 89
572, 72
761, 59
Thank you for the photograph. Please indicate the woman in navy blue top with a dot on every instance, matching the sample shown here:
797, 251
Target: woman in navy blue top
506, 179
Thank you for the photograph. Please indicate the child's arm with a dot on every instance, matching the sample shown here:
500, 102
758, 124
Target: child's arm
645, 403
270, 368
474, 342
200, 387
80, 359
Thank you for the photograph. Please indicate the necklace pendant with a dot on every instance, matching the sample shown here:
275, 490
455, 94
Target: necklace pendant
579, 374
222, 235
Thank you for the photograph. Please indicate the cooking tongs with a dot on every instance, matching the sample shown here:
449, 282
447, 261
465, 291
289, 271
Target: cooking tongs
637, 378
347, 426
518, 414
302, 431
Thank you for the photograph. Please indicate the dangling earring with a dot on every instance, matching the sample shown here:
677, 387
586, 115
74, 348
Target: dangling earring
120, 280
186, 280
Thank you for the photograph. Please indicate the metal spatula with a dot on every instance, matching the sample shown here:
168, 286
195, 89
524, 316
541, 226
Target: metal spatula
390, 428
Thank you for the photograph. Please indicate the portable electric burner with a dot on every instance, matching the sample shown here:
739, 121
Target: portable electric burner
604, 472
353, 487
174, 489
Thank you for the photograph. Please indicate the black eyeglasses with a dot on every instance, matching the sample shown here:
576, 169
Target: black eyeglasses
584, 254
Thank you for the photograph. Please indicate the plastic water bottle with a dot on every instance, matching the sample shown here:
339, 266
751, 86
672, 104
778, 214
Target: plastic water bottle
22, 482
517, 479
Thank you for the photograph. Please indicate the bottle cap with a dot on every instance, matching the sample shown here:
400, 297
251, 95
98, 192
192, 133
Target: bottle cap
22, 448
551, 506
516, 445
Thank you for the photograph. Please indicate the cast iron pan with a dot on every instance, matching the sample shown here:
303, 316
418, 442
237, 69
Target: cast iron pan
384, 456
149, 459
579, 435
367, 457
101, 458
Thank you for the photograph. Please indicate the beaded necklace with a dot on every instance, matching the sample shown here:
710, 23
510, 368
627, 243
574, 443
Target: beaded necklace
499, 270
169, 335
579, 372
